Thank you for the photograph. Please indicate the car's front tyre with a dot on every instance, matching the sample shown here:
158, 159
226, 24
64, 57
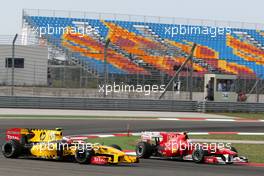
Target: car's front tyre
143, 150
198, 155
84, 156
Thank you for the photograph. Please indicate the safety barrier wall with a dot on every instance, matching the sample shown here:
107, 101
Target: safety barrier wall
207, 106
97, 104
126, 104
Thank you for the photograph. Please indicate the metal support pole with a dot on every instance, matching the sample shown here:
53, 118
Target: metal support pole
179, 70
257, 92
254, 88
81, 73
191, 80
13, 64
107, 42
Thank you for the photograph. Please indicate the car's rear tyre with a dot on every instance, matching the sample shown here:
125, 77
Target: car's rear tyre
84, 156
11, 149
198, 155
143, 150
116, 147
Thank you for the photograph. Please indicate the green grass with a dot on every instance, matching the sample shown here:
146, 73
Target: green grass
127, 143
243, 115
254, 152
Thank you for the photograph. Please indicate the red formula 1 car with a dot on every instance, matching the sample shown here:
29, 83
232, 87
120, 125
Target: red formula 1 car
178, 146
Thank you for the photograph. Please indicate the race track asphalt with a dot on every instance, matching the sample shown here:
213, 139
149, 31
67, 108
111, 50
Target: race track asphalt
30, 167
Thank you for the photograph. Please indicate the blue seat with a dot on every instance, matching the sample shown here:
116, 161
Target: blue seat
217, 43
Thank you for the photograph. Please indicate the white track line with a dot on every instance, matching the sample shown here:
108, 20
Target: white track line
168, 119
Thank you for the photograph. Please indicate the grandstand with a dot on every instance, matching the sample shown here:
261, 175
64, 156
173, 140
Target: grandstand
144, 50
239, 52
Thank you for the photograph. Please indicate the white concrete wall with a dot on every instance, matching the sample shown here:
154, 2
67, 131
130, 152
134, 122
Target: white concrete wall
35, 65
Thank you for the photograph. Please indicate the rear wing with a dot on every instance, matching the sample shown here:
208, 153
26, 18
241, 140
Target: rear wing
14, 134
25, 135
147, 135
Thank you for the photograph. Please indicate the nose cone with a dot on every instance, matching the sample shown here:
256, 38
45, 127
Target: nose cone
130, 159
232, 153
226, 151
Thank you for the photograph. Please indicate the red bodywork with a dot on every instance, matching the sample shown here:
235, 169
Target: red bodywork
13, 133
177, 144
19, 134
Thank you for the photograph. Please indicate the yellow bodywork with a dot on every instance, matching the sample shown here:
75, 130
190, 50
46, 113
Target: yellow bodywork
117, 155
42, 135
50, 151
47, 144
45, 150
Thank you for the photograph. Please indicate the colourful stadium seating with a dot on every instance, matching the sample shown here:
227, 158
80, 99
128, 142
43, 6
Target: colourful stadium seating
89, 47
239, 52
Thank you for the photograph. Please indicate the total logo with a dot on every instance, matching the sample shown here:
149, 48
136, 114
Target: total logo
12, 137
98, 160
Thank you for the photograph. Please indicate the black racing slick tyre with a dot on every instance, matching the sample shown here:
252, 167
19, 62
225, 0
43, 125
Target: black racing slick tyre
11, 149
198, 155
143, 150
116, 147
84, 156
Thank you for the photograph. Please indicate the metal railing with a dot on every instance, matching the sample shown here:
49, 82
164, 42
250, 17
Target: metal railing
141, 18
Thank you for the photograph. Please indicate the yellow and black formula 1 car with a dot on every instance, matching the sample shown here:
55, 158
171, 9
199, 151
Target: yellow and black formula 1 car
49, 144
